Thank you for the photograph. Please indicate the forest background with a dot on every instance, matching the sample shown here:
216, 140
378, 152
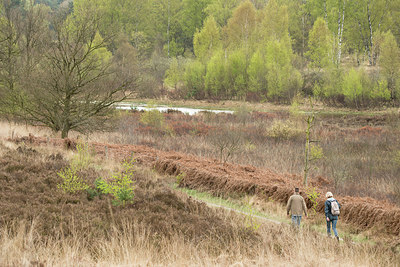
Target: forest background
344, 53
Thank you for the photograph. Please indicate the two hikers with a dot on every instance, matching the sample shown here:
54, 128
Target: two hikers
332, 211
296, 206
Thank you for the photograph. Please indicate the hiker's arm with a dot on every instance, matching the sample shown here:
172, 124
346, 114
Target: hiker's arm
305, 208
326, 210
289, 203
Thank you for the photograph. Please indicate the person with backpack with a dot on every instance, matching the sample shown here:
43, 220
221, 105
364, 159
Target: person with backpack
296, 206
332, 211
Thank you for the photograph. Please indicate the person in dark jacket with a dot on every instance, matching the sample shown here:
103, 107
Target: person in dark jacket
330, 218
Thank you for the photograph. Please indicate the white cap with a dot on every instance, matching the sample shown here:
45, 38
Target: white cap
329, 194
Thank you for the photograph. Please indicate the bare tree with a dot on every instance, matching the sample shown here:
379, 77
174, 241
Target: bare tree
227, 142
10, 35
74, 86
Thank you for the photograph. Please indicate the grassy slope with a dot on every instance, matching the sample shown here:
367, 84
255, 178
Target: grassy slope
210, 237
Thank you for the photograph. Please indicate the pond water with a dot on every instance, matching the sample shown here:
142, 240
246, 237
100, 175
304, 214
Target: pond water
189, 111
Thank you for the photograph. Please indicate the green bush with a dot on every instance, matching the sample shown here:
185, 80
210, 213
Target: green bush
153, 118
120, 185
313, 195
283, 130
72, 183
94, 192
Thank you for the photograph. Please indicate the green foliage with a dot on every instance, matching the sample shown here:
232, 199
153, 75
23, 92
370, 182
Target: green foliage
102, 55
316, 152
120, 185
275, 24
283, 130
221, 10
94, 192
253, 49
256, 73
313, 196
208, 40
282, 79
331, 84
236, 77
390, 62
194, 78
72, 183
215, 76
174, 74
353, 87
241, 25
153, 118
319, 44
380, 91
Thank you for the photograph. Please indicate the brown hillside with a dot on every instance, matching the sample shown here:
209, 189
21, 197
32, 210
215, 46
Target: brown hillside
202, 173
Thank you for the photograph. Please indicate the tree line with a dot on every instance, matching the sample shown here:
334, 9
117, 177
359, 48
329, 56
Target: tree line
63, 63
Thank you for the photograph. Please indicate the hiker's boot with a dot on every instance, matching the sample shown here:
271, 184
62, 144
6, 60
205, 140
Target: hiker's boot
337, 237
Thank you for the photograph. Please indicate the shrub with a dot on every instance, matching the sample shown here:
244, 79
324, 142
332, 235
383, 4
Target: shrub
94, 192
72, 183
153, 118
313, 195
283, 130
120, 185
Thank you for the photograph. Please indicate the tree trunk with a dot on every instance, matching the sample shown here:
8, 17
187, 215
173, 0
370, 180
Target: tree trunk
64, 132
340, 33
370, 43
169, 21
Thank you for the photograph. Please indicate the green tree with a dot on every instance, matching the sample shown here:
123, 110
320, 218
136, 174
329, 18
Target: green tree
367, 17
390, 63
241, 25
174, 74
274, 24
215, 76
193, 16
208, 40
194, 77
319, 44
278, 67
236, 73
257, 73
221, 10
353, 87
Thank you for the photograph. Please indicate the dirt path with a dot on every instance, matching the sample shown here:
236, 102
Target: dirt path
239, 211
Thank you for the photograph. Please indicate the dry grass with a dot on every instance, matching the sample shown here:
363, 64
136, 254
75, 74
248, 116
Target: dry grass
135, 245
